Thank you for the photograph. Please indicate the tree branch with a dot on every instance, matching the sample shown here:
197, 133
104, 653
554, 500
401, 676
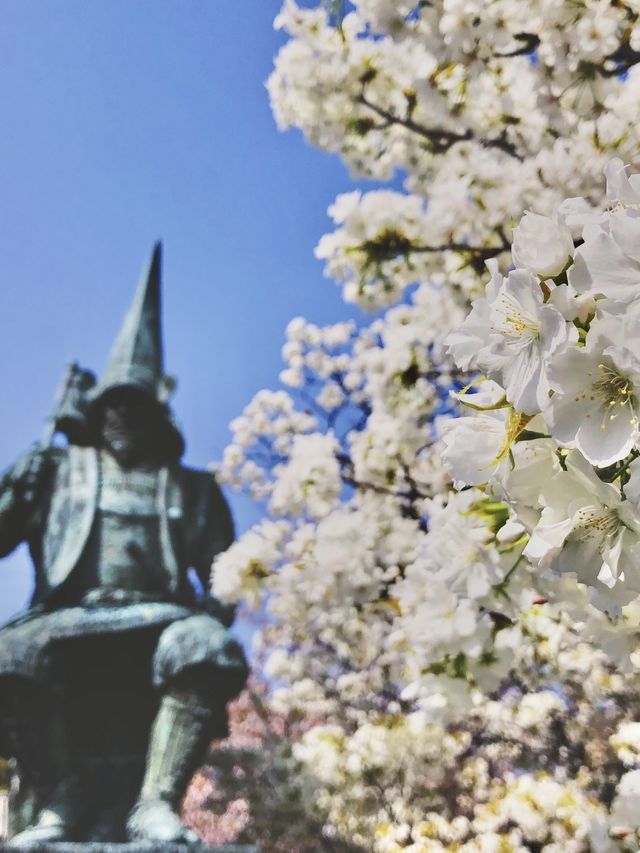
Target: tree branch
483, 252
389, 244
530, 42
623, 58
441, 139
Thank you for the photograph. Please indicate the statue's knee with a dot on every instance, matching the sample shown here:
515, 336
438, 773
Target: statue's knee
201, 650
209, 684
28, 657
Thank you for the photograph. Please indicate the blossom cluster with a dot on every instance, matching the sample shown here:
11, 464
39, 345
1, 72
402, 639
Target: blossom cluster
485, 108
559, 340
447, 568
400, 781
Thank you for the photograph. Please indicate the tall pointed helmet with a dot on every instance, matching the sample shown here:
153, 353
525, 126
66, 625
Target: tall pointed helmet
136, 359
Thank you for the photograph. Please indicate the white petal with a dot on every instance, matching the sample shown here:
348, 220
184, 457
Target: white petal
625, 230
603, 441
547, 540
600, 266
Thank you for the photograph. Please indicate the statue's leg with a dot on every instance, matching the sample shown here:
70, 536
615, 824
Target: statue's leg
35, 727
111, 705
198, 667
179, 738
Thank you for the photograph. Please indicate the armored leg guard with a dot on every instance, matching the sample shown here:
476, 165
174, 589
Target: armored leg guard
179, 737
37, 735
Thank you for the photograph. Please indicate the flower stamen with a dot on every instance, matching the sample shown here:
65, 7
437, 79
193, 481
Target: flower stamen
600, 522
514, 322
614, 392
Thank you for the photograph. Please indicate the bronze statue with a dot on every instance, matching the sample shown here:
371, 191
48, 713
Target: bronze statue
116, 678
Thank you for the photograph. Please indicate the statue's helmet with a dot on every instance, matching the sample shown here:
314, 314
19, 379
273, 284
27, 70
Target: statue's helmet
136, 359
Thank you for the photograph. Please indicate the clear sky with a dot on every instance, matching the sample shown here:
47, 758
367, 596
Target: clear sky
127, 121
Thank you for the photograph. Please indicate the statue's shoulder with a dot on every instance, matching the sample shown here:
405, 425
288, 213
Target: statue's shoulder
207, 509
63, 457
58, 461
198, 486
195, 477
56, 455
34, 476
35, 459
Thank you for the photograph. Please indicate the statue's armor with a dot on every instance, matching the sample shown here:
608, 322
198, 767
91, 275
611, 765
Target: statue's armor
111, 549
123, 550
117, 633
134, 530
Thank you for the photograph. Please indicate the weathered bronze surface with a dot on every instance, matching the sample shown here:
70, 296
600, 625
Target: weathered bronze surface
116, 678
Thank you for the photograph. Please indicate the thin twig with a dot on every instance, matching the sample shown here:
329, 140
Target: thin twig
441, 139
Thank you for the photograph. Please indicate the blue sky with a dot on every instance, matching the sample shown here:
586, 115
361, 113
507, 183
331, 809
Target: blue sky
124, 122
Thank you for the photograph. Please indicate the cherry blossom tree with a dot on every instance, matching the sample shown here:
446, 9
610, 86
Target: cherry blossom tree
448, 559
251, 791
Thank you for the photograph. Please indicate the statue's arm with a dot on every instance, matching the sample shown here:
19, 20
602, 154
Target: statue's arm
20, 487
218, 534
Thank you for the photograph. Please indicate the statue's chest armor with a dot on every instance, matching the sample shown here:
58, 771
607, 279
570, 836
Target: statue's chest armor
124, 548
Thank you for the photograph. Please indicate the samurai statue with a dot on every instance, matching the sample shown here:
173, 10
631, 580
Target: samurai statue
116, 678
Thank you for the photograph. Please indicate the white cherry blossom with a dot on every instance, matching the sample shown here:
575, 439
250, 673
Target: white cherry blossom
430, 637
608, 263
596, 400
586, 527
524, 334
541, 245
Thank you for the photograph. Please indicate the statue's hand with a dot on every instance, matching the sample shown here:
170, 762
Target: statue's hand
222, 612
